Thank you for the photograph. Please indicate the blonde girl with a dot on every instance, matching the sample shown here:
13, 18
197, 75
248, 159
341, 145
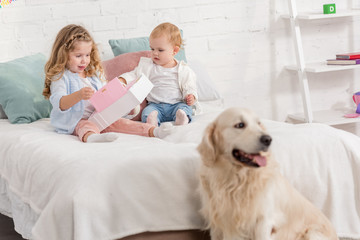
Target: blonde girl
72, 74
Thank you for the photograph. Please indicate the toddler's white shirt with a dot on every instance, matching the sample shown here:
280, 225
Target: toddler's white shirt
166, 85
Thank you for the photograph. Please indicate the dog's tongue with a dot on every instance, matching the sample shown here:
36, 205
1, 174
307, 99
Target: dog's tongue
260, 160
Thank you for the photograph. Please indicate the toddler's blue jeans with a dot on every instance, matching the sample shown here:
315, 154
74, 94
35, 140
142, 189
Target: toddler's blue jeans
166, 112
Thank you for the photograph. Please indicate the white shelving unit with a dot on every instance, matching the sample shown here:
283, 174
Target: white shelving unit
331, 117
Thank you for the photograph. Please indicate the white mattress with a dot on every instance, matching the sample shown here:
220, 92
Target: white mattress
56, 187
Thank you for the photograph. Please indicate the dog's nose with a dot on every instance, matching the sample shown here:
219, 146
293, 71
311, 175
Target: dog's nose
266, 140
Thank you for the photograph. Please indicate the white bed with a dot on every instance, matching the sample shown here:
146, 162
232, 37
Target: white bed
55, 187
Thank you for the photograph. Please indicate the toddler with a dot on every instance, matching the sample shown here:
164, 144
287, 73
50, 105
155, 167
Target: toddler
72, 74
174, 90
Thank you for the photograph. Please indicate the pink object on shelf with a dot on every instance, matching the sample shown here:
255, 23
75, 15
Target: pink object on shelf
352, 115
356, 98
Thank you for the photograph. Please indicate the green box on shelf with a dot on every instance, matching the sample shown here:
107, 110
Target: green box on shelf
329, 8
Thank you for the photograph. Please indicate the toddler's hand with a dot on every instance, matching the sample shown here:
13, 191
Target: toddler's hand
190, 99
86, 93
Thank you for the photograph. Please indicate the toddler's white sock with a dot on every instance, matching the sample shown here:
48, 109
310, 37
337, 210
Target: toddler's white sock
181, 118
164, 130
104, 137
152, 118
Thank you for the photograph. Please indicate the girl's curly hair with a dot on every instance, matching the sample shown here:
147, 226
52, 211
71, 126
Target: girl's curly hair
64, 43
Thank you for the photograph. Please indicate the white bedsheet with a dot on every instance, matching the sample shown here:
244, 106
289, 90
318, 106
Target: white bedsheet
71, 190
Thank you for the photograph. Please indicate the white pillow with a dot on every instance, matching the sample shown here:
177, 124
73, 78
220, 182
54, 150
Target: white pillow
205, 87
2, 113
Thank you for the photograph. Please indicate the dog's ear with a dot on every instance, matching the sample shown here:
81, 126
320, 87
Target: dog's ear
207, 147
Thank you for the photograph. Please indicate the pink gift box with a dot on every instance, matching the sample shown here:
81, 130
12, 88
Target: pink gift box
108, 94
117, 101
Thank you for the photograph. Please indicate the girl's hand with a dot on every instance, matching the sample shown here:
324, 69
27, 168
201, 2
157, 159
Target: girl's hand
190, 99
70, 100
85, 93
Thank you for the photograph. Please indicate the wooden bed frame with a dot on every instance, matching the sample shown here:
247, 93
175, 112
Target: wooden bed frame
7, 232
171, 235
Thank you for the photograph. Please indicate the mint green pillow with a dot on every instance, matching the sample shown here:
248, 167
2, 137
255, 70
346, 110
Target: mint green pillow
121, 46
21, 86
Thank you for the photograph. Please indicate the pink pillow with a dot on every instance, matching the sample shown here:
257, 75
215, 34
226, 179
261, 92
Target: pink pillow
125, 63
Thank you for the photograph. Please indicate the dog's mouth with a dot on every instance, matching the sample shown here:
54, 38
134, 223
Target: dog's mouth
252, 160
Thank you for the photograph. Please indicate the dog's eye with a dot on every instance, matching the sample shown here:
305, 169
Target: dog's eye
240, 125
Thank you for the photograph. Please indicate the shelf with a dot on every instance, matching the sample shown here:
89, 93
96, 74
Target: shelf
320, 67
320, 15
330, 117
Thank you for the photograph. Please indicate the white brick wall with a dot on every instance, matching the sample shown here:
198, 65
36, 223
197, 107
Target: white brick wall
243, 44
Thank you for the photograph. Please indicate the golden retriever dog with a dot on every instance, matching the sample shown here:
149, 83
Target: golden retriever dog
244, 195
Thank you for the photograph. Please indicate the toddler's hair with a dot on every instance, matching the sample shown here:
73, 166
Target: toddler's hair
64, 43
169, 30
